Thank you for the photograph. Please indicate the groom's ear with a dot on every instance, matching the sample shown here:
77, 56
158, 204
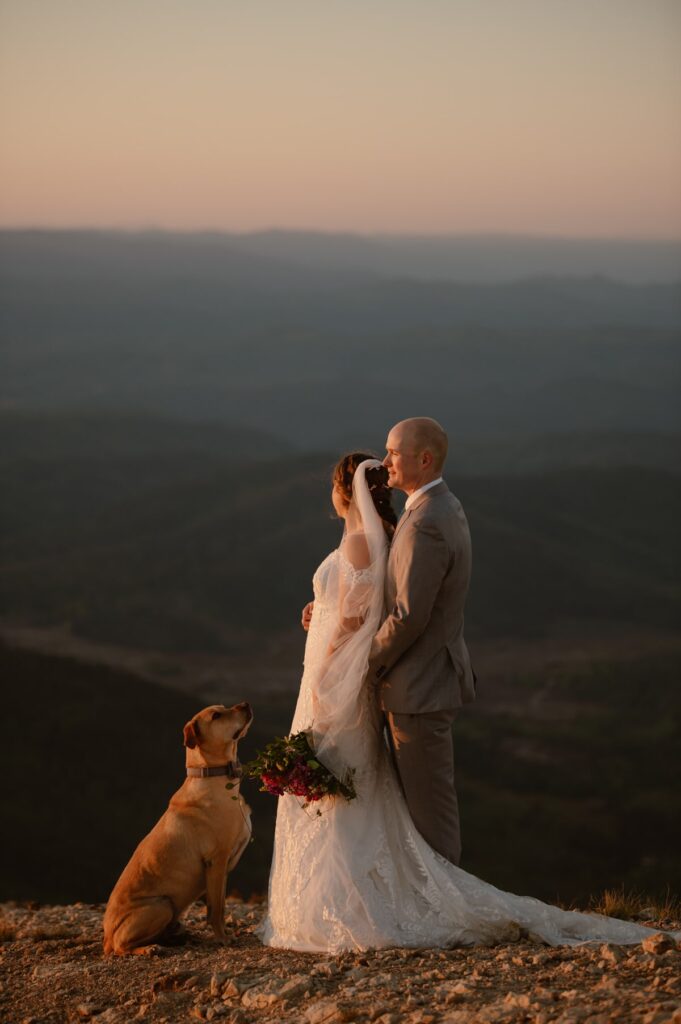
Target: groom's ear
191, 734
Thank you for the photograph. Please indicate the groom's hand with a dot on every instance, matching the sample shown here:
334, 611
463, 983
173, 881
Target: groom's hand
307, 615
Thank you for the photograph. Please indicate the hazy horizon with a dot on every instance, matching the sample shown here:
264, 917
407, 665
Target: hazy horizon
466, 258
293, 229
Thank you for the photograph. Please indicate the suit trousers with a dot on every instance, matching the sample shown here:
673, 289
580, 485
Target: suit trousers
422, 748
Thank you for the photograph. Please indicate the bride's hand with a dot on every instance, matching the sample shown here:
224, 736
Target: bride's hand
307, 615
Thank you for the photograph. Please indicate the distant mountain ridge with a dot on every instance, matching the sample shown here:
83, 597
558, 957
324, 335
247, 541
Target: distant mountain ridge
481, 257
193, 327
125, 440
467, 258
197, 554
132, 434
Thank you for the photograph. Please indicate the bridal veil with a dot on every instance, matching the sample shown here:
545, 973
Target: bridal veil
337, 703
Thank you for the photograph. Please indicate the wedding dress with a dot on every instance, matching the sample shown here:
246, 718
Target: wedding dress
359, 875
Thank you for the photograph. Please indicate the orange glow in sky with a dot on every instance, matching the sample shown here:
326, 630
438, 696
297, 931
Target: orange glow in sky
533, 116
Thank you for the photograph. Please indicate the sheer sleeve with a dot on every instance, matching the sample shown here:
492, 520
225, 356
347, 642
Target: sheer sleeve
355, 587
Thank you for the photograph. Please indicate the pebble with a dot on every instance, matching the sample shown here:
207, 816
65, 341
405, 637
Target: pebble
519, 984
259, 997
217, 981
323, 1010
519, 999
110, 1016
86, 1009
658, 943
238, 1017
295, 986
611, 954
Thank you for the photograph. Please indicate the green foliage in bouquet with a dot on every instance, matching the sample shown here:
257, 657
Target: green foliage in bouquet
288, 764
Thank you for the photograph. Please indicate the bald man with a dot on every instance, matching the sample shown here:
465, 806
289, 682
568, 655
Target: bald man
419, 658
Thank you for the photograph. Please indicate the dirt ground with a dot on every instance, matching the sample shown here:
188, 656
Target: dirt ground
52, 970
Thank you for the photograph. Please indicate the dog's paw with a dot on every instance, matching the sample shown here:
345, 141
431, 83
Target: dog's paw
153, 949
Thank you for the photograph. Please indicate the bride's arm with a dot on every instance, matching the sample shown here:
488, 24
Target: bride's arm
306, 615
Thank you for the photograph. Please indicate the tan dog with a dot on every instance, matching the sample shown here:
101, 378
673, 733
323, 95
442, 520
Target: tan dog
197, 841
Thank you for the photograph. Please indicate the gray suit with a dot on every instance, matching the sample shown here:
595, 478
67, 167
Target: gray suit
420, 661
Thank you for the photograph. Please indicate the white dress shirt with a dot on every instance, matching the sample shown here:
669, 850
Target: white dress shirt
422, 490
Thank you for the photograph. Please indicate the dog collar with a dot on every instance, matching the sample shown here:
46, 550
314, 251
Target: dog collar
232, 770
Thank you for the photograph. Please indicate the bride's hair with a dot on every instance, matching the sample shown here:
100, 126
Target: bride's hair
377, 479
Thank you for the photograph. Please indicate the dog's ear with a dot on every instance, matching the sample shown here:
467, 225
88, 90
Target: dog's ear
191, 734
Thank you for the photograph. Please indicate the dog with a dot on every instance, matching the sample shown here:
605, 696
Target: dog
193, 846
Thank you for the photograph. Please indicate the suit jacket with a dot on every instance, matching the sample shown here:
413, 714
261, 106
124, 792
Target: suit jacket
419, 657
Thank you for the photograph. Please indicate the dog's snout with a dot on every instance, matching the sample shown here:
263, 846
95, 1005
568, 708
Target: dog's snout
245, 705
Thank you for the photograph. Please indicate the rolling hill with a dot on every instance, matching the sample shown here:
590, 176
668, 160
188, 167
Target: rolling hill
177, 553
570, 787
206, 327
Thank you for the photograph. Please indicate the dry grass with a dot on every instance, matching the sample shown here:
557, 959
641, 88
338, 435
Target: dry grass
633, 905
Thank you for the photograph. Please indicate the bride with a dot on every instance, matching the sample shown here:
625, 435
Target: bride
359, 875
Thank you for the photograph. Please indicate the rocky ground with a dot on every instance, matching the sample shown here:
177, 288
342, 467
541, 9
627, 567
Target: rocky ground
53, 970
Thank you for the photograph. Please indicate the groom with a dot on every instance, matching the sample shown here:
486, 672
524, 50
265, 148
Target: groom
418, 658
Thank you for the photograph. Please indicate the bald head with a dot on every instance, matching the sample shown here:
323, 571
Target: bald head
423, 434
417, 449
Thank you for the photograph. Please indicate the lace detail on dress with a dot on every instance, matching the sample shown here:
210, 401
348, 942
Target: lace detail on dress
350, 574
361, 876
324, 612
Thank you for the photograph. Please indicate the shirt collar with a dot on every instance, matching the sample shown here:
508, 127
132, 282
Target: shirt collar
422, 490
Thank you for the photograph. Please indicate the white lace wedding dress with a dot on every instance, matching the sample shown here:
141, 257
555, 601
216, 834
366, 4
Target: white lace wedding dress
359, 875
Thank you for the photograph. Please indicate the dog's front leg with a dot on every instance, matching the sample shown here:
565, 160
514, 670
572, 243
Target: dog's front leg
216, 880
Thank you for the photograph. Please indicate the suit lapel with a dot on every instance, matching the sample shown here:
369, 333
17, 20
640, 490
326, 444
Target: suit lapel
400, 523
433, 492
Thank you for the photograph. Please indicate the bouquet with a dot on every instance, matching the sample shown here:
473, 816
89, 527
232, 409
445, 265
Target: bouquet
288, 765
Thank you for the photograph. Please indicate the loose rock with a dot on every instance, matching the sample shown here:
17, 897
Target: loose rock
65, 979
658, 943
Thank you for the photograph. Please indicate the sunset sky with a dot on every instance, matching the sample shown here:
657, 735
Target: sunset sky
434, 116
